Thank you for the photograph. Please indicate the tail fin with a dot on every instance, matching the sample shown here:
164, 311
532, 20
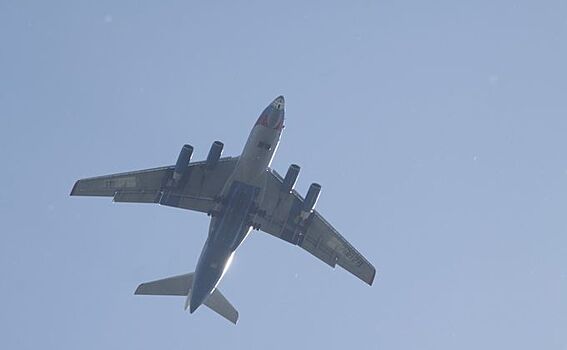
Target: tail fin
181, 286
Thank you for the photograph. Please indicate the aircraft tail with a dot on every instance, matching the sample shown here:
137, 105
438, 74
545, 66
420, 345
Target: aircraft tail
181, 286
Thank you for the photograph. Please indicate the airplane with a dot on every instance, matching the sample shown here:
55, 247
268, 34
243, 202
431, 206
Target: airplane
239, 194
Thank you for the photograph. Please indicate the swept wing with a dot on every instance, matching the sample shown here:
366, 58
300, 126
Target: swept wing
197, 190
282, 217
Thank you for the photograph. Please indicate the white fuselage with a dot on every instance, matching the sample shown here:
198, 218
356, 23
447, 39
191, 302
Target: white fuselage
256, 157
238, 202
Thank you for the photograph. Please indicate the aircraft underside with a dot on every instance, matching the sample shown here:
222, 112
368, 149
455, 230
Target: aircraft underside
239, 193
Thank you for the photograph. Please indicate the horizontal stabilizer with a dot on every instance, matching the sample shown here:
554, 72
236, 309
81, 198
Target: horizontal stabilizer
181, 286
177, 285
218, 303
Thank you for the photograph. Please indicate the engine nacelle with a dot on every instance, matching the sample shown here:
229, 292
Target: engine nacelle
290, 178
214, 153
182, 162
311, 197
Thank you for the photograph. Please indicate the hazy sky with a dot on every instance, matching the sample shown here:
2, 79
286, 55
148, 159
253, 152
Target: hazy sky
437, 130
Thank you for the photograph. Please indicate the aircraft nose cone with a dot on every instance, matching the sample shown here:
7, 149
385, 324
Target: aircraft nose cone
276, 113
279, 103
273, 116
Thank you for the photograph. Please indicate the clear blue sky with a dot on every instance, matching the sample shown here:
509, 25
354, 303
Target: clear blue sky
437, 129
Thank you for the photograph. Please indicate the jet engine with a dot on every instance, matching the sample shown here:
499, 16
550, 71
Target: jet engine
182, 162
311, 197
214, 153
290, 178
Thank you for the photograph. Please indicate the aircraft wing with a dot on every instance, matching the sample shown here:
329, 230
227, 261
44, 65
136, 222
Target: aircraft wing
197, 189
313, 233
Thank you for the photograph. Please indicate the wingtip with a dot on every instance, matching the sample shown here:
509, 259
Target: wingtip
372, 278
138, 290
74, 189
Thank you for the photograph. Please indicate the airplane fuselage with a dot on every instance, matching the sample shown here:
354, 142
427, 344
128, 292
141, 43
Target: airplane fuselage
232, 218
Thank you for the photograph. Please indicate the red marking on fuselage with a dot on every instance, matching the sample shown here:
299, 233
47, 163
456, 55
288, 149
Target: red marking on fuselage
263, 120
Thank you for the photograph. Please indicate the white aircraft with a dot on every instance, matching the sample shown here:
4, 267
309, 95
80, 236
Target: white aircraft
240, 194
